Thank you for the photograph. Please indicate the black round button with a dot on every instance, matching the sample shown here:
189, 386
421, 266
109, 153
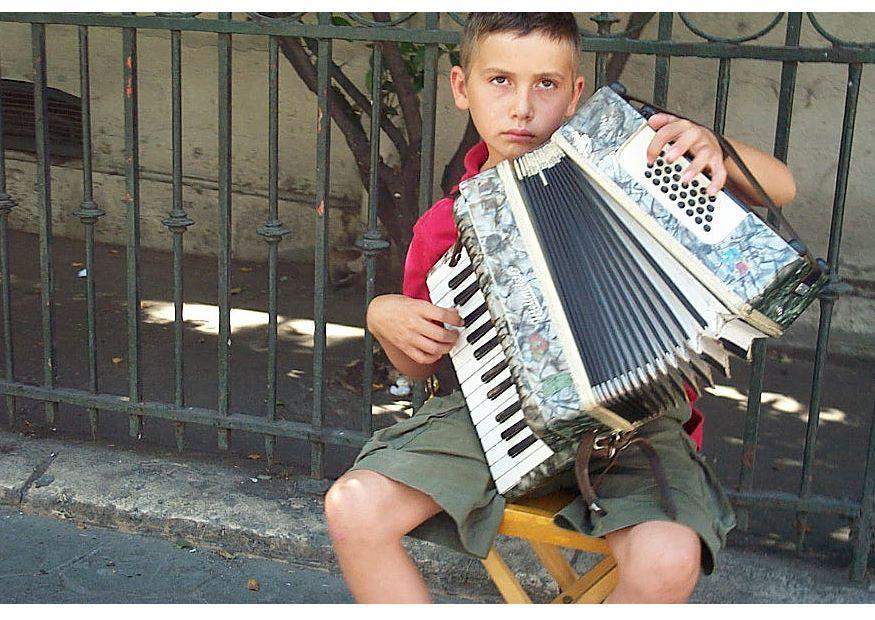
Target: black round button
707, 227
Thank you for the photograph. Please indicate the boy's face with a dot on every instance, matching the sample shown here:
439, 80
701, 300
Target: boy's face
519, 90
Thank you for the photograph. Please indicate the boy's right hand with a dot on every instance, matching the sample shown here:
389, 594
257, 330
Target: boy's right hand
409, 326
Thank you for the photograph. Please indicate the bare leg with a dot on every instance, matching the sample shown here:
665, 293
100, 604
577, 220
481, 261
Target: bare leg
658, 562
368, 514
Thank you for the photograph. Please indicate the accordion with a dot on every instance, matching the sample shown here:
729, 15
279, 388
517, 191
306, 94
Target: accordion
594, 287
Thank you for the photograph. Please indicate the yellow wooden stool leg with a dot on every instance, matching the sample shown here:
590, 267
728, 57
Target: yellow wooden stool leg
556, 564
594, 586
504, 579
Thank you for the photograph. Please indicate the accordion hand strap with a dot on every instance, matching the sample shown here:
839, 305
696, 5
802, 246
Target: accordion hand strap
587, 450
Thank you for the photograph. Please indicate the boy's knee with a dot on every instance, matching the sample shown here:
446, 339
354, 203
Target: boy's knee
355, 507
663, 565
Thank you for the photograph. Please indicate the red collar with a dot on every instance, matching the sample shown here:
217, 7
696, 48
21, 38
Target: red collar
474, 160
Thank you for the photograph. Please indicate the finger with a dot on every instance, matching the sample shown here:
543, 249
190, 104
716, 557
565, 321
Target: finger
681, 145
663, 136
719, 175
704, 158
438, 333
443, 315
661, 119
431, 348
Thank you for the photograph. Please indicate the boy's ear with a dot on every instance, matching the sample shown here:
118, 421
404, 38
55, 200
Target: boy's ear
579, 83
459, 87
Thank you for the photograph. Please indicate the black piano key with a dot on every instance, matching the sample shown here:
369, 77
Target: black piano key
508, 411
486, 348
465, 295
457, 279
512, 430
474, 315
490, 374
525, 443
499, 389
478, 333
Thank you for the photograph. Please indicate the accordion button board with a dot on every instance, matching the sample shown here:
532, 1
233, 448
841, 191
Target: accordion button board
710, 218
511, 448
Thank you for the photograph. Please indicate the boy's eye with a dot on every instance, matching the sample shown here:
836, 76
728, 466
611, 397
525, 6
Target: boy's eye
499, 79
548, 84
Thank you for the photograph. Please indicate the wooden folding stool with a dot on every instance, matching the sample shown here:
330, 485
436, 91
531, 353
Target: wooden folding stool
532, 520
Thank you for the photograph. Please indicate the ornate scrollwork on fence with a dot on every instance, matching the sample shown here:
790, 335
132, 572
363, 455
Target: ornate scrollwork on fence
834, 39
688, 22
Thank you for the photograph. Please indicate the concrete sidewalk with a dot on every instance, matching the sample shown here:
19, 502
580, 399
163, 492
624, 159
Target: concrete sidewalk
233, 507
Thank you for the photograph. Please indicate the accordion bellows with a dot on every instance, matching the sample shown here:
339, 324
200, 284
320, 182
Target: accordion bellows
608, 290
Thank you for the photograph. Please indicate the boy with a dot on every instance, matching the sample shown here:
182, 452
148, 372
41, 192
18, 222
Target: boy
519, 81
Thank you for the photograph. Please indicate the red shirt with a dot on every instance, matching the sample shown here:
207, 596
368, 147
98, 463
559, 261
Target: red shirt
435, 232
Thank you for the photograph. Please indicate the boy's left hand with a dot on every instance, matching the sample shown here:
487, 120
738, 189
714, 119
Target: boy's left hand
688, 137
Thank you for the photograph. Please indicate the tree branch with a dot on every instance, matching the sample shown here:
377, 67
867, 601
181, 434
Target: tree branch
358, 98
407, 97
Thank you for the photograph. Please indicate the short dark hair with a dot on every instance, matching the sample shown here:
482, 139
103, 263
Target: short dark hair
556, 26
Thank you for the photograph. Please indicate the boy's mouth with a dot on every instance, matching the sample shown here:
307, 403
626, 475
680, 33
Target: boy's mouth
519, 135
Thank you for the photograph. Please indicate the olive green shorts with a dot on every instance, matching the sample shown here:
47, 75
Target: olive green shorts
437, 452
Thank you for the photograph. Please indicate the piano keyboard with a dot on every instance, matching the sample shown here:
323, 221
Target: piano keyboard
512, 450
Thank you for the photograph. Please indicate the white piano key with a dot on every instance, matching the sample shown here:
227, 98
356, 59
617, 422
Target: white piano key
466, 332
503, 465
499, 452
539, 452
471, 376
479, 395
483, 416
441, 291
445, 296
464, 355
493, 429
442, 271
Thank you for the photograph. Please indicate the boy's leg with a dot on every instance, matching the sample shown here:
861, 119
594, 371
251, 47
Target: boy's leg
657, 562
368, 514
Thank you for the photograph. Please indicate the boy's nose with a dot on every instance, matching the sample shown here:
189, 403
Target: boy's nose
522, 108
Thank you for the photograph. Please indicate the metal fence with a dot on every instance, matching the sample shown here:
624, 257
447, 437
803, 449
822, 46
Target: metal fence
427, 31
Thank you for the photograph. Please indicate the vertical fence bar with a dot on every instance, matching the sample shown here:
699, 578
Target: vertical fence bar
788, 89
828, 298
663, 63
788, 79
426, 165
758, 354
273, 232
865, 523
6, 205
722, 99
372, 242
224, 250
323, 161
177, 222
132, 204
88, 214
44, 190
604, 22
